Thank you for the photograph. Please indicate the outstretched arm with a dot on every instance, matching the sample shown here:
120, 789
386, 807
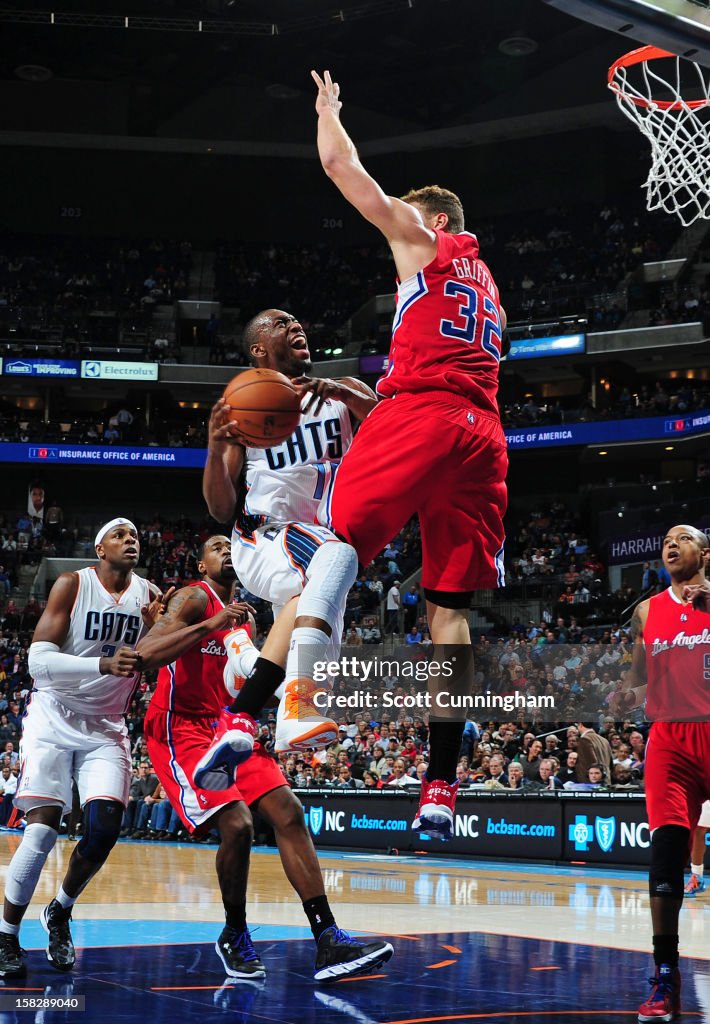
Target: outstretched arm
399, 222
183, 625
355, 394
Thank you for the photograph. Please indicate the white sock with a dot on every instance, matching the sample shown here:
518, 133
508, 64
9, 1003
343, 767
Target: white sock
308, 646
9, 929
65, 900
697, 869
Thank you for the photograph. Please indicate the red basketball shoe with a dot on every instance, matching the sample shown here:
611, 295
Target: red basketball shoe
232, 744
664, 1001
435, 816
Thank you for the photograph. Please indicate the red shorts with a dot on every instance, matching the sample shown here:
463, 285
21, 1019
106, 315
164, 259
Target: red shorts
177, 742
435, 455
677, 773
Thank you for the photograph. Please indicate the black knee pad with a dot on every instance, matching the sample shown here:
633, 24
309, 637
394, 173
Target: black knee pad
449, 598
102, 825
669, 852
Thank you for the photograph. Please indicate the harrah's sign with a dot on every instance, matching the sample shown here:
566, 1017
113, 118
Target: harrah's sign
642, 547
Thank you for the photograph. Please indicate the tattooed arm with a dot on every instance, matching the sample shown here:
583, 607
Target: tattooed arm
183, 625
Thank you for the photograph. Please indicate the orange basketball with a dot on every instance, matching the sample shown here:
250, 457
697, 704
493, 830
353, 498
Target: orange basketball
265, 405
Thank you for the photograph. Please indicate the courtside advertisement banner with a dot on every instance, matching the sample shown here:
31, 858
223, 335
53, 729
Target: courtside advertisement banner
605, 830
485, 826
103, 455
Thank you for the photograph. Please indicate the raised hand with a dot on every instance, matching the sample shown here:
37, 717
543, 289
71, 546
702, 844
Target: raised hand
150, 613
698, 594
328, 93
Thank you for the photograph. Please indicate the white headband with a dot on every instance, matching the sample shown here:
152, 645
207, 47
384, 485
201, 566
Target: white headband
103, 530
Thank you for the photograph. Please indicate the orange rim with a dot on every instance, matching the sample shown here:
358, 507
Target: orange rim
641, 56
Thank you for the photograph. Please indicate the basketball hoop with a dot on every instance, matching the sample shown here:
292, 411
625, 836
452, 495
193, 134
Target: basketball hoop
678, 129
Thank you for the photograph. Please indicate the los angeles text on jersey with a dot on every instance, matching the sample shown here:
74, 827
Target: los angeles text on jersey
112, 627
472, 270
682, 639
319, 438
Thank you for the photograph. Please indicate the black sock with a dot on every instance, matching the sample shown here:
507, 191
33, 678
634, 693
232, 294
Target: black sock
258, 688
444, 746
236, 914
319, 915
665, 950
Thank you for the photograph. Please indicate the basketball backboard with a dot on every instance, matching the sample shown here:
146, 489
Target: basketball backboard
681, 26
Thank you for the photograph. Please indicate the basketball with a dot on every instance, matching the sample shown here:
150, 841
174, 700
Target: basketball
266, 406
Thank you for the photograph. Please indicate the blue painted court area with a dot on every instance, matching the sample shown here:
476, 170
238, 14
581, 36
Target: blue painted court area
455, 977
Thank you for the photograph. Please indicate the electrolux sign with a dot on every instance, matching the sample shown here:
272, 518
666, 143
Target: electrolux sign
41, 368
104, 369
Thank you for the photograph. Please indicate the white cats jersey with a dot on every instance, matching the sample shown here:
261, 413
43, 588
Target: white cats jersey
99, 624
292, 482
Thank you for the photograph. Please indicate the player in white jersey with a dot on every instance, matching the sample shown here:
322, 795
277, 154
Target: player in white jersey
280, 552
85, 670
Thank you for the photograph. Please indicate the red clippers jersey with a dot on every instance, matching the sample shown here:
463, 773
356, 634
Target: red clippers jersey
677, 639
446, 334
194, 684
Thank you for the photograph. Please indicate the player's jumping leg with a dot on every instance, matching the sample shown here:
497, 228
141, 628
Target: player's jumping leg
233, 740
449, 627
338, 955
316, 636
23, 873
331, 572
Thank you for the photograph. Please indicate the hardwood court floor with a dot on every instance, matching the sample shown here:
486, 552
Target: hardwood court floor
474, 940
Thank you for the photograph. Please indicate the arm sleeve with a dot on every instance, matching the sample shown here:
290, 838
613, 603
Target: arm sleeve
47, 665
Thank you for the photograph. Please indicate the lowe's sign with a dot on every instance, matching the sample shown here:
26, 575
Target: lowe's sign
41, 368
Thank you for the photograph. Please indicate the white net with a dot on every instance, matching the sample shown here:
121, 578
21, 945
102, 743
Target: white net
648, 92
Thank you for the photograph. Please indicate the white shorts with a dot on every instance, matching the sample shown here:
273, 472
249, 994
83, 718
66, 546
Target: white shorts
704, 821
59, 745
272, 564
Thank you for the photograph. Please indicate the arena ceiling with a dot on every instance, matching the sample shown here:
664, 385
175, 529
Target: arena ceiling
415, 74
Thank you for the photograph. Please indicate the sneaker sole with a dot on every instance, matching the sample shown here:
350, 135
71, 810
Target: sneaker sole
355, 967
260, 972
221, 763
55, 965
21, 972
316, 738
645, 1019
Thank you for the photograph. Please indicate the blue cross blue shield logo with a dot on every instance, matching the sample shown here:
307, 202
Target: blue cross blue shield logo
315, 817
605, 831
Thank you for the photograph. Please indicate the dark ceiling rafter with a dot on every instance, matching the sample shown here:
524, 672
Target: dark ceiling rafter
69, 19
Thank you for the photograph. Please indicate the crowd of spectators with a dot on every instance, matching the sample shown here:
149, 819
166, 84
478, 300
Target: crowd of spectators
114, 426
77, 294
617, 402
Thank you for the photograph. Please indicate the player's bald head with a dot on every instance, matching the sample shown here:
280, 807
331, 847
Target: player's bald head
257, 325
698, 536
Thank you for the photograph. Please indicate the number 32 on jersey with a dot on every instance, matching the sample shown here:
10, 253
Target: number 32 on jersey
476, 323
